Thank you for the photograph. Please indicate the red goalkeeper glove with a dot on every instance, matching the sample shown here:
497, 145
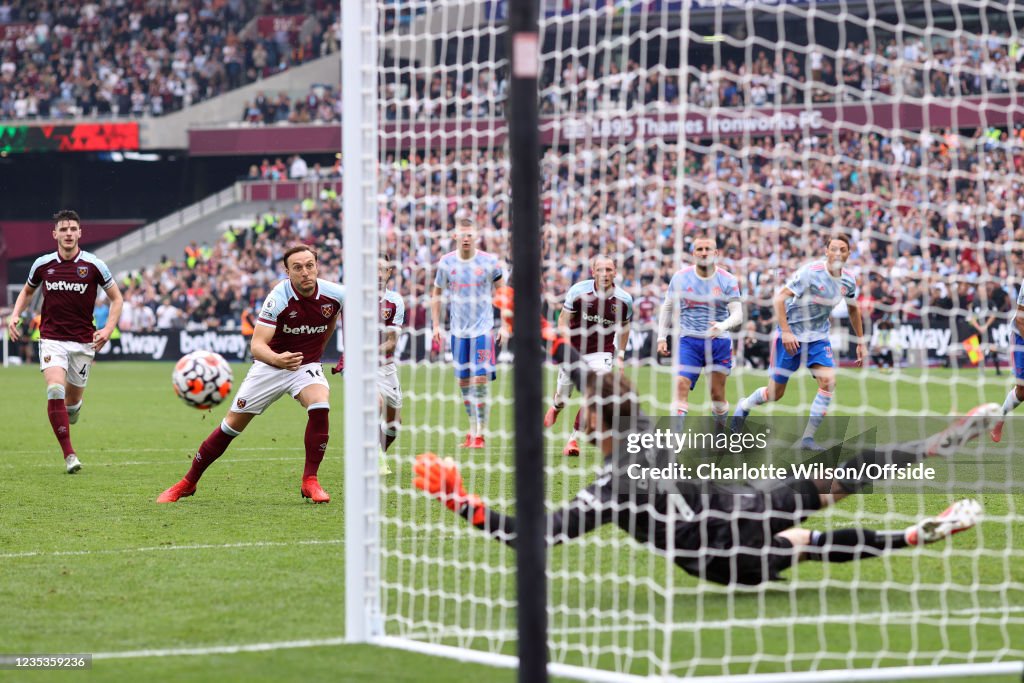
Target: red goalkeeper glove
339, 367
441, 479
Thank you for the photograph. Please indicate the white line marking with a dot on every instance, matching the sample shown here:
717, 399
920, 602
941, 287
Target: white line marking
221, 649
182, 449
156, 548
200, 651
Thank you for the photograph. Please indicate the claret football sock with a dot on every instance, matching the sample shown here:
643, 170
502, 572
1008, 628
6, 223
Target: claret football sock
211, 449
317, 435
57, 411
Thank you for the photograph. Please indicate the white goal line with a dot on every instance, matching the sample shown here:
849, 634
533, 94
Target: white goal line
167, 548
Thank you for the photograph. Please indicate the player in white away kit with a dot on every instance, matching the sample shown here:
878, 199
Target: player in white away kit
595, 318
803, 308
1016, 395
708, 300
69, 342
469, 276
292, 329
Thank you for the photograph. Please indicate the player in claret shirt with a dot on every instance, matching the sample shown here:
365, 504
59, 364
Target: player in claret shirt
392, 317
595, 317
292, 329
69, 342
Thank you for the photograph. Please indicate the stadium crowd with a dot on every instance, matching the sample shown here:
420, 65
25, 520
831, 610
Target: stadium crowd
868, 70
110, 57
935, 222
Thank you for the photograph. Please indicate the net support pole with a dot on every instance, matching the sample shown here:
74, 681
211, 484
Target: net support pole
524, 143
359, 159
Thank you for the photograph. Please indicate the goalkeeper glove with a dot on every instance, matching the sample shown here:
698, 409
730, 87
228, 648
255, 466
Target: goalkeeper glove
441, 479
339, 367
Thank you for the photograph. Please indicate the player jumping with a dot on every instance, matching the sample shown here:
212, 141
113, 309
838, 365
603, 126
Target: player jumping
709, 305
802, 309
292, 329
69, 342
470, 277
729, 535
595, 318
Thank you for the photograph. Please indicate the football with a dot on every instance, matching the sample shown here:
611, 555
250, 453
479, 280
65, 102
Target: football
202, 379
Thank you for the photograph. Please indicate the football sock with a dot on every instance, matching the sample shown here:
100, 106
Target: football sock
682, 409
845, 545
755, 399
74, 408
563, 390
819, 406
1011, 401
211, 449
720, 409
480, 394
317, 435
57, 411
467, 403
388, 434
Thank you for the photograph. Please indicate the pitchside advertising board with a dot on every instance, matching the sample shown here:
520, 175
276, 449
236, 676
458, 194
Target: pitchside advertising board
932, 343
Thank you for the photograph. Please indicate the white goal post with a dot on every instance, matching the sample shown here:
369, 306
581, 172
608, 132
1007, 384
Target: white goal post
770, 126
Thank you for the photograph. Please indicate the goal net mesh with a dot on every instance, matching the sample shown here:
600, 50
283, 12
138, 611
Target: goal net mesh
770, 126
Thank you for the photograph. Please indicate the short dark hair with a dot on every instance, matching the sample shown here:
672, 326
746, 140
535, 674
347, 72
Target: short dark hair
841, 237
295, 250
67, 215
614, 396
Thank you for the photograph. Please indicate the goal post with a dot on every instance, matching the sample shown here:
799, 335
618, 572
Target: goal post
769, 126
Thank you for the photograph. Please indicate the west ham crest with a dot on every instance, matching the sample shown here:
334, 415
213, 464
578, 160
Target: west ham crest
386, 313
240, 403
327, 310
83, 271
46, 359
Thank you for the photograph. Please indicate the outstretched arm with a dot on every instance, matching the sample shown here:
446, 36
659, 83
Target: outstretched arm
442, 479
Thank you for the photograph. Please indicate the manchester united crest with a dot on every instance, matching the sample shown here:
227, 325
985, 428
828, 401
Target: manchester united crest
327, 310
83, 271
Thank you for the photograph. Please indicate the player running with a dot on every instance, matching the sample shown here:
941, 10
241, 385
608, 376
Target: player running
292, 329
729, 535
708, 299
470, 277
595, 318
802, 309
1016, 395
392, 317
68, 340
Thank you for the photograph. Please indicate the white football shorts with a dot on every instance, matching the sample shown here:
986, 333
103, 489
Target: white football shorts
388, 387
600, 363
264, 384
75, 357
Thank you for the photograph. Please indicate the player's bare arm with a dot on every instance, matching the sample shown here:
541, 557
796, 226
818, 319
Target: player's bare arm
789, 341
620, 343
857, 323
101, 337
390, 342
261, 351
664, 319
435, 313
24, 297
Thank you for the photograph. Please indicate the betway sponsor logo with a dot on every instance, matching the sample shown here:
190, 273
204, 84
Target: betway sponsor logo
303, 329
597, 319
224, 344
62, 286
151, 345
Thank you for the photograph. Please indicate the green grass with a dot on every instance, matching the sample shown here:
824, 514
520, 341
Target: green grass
90, 564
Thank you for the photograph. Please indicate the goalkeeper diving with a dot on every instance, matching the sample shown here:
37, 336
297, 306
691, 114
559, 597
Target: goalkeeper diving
735, 534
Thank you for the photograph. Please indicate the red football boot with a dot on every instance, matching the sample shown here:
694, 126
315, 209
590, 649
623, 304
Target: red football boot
311, 489
183, 489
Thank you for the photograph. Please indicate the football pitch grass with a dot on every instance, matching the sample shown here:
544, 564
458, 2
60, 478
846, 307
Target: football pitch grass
90, 564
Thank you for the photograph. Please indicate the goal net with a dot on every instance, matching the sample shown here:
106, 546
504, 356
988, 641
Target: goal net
771, 127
